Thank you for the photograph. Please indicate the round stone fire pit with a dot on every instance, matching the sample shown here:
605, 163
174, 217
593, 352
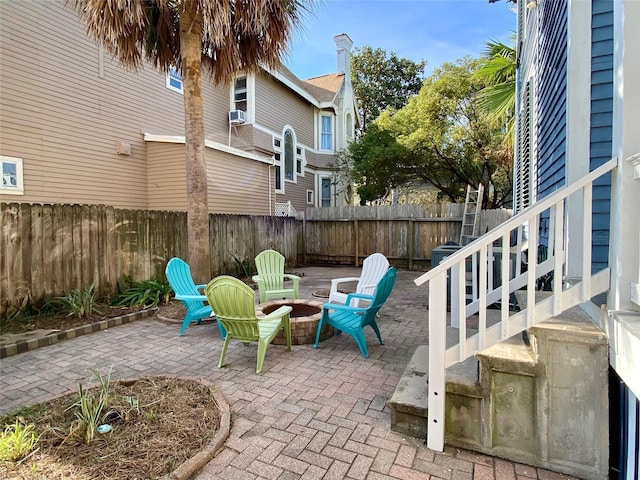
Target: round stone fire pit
305, 317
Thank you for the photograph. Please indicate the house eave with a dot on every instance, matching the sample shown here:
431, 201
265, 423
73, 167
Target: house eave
299, 91
221, 147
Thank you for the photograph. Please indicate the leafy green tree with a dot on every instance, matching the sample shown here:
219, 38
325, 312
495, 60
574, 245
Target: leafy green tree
382, 80
372, 164
220, 38
441, 138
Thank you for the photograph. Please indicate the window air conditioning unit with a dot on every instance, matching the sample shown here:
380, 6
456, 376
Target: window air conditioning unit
236, 117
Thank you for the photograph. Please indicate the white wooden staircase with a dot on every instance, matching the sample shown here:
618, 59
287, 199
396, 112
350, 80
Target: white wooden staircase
500, 265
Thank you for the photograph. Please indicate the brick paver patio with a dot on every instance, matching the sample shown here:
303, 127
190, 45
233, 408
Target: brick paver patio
311, 414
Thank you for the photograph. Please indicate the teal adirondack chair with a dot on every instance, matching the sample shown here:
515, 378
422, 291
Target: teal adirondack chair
178, 274
235, 306
270, 277
352, 320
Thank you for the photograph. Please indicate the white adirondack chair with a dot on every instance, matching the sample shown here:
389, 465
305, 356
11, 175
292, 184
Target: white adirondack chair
373, 269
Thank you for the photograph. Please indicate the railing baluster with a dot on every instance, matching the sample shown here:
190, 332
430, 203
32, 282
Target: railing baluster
558, 257
482, 287
437, 365
457, 307
491, 260
532, 267
455, 290
474, 276
518, 250
505, 267
586, 243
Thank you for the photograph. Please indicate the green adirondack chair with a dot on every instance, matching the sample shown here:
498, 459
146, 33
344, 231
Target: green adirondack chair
179, 276
352, 320
270, 277
235, 307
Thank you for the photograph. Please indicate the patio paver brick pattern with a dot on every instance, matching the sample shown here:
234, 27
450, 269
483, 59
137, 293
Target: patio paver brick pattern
311, 414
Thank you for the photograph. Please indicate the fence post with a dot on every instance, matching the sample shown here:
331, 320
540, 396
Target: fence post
355, 234
411, 244
304, 240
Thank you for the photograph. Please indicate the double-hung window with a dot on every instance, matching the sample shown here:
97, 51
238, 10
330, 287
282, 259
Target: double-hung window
299, 162
174, 81
277, 147
11, 175
278, 174
240, 94
326, 133
325, 192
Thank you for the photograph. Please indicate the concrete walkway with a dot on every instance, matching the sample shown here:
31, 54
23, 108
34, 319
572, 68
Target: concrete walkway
311, 414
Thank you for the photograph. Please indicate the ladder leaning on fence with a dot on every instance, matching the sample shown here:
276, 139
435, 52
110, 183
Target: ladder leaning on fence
471, 215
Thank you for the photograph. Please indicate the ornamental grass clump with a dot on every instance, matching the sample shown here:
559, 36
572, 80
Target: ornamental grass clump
91, 409
17, 441
80, 302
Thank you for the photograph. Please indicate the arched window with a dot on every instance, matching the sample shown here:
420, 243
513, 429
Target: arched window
289, 156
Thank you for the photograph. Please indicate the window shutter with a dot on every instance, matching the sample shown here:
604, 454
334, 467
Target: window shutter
523, 166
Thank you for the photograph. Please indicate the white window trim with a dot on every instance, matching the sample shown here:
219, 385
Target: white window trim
19, 188
303, 161
332, 118
331, 187
278, 164
295, 155
310, 197
234, 102
171, 87
250, 91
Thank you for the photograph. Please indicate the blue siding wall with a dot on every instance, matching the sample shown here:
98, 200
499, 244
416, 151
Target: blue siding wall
551, 121
552, 97
601, 124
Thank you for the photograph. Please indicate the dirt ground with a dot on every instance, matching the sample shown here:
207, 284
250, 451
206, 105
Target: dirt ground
156, 424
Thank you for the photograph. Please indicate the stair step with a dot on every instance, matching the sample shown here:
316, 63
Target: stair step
409, 403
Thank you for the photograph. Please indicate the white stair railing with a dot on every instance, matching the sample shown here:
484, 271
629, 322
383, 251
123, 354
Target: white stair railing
496, 265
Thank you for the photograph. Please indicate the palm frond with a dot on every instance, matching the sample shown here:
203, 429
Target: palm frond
236, 34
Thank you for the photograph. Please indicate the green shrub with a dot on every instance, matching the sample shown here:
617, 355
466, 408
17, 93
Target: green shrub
80, 302
17, 441
148, 293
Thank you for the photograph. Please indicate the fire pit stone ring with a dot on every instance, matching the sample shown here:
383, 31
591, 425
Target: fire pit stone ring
305, 317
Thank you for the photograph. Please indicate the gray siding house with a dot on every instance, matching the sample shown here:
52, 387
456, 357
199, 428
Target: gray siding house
78, 128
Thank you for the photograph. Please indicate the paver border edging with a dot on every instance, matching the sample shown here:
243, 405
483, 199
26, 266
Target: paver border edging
22, 346
193, 465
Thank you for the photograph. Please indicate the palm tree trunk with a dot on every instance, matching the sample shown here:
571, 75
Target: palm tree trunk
199, 255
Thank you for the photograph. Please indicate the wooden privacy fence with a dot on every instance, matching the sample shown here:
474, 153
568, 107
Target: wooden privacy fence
405, 234
50, 250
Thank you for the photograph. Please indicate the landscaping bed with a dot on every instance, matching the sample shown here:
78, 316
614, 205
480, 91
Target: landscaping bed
155, 425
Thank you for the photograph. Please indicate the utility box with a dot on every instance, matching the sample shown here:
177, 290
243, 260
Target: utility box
438, 254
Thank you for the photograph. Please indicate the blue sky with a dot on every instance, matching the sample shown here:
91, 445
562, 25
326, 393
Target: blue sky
434, 30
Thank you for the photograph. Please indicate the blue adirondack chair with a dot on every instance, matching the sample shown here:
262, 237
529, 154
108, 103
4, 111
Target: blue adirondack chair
179, 276
352, 320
